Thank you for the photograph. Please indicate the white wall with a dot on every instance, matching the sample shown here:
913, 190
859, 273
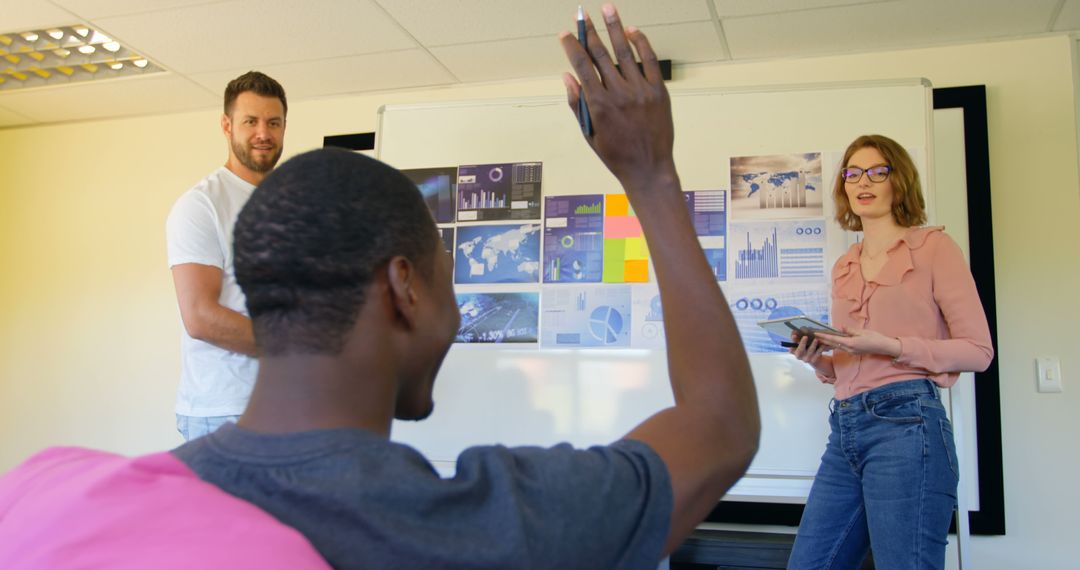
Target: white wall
89, 328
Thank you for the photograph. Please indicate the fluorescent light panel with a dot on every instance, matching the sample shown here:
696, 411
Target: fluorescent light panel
65, 54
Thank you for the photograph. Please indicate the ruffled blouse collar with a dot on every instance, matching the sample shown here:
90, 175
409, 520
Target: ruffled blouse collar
848, 283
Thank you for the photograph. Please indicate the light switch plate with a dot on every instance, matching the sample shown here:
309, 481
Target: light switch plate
1048, 374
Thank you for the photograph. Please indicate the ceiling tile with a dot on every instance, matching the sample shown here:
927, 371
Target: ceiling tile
730, 8
91, 9
10, 118
253, 33
870, 27
353, 74
469, 21
1069, 18
158, 94
23, 15
506, 59
695, 42
538, 57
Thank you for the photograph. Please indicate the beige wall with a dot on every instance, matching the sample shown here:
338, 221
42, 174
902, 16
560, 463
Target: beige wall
89, 329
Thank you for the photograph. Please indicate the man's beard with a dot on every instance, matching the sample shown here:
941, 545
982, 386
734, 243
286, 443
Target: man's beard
243, 154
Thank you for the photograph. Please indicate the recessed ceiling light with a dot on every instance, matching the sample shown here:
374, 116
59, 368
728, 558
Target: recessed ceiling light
63, 55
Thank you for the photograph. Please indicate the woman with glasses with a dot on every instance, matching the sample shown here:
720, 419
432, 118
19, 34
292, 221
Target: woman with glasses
906, 301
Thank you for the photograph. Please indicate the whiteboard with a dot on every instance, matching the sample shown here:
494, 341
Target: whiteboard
528, 395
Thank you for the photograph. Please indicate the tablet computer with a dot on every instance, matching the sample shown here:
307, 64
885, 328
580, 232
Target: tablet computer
783, 327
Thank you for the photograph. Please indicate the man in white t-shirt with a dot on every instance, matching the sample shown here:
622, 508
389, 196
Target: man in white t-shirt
217, 369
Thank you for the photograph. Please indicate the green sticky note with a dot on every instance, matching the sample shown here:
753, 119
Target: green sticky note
614, 260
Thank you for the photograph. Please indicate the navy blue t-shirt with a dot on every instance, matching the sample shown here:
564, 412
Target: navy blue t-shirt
365, 502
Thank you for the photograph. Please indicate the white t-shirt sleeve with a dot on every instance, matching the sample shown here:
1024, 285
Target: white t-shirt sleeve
191, 232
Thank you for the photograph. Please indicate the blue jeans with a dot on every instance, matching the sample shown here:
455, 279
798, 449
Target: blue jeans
192, 427
887, 480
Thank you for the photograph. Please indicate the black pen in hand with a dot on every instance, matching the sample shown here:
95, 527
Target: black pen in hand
583, 108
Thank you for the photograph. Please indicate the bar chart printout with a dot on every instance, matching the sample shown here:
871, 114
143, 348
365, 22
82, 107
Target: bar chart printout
507, 191
758, 260
785, 249
573, 239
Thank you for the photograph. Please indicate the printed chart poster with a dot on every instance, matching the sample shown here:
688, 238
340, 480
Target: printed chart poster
750, 304
505, 253
508, 191
576, 317
708, 209
447, 236
574, 239
787, 249
626, 257
776, 186
498, 317
647, 318
438, 186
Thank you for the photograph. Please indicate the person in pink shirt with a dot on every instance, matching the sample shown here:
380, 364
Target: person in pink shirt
907, 303
69, 507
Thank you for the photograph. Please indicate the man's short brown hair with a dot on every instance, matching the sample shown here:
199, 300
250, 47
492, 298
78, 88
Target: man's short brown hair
259, 84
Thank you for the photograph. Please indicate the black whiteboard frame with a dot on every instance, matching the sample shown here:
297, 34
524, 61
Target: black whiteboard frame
990, 518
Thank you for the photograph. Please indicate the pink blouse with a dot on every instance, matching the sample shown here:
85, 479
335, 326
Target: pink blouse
925, 296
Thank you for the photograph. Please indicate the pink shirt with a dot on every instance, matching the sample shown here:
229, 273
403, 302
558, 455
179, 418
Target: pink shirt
68, 507
924, 296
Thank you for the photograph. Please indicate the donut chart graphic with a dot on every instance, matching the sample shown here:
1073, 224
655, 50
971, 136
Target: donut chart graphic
605, 324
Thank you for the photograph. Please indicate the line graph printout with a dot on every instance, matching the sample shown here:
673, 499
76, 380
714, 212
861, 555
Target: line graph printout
498, 317
508, 191
504, 253
574, 239
776, 186
575, 317
785, 249
759, 302
708, 210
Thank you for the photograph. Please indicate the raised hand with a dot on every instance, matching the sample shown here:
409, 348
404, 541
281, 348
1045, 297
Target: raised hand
630, 108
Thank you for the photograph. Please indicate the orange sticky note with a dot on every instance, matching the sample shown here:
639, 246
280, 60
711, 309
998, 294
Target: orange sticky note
616, 205
637, 271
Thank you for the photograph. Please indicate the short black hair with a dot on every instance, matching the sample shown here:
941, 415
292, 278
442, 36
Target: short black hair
309, 241
258, 83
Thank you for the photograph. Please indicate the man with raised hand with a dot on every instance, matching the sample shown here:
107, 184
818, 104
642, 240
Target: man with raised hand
350, 293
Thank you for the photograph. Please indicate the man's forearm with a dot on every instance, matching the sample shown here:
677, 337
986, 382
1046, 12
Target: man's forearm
225, 329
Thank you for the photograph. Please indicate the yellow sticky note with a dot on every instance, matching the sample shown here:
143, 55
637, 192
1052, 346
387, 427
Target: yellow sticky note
636, 248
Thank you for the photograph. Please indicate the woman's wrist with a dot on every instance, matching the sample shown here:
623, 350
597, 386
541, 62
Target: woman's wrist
896, 348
